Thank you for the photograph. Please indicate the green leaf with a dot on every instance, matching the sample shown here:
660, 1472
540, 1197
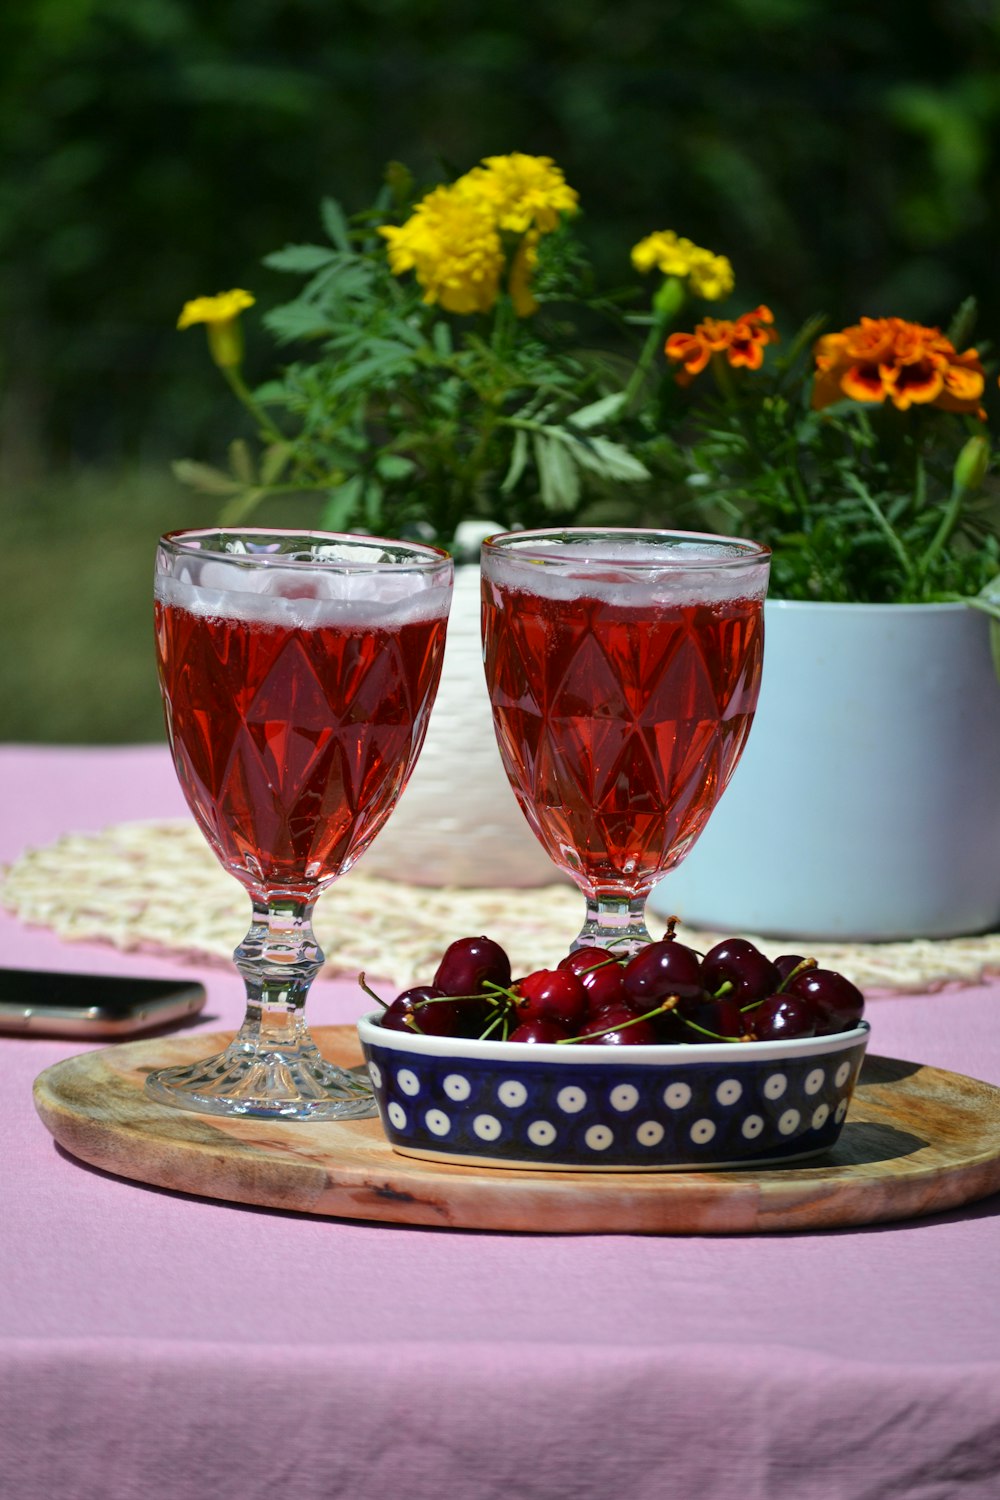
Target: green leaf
335, 224
275, 461
441, 336
394, 466
342, 504
604, 410
373, 505
300, 258
297, 320
558, 477
610, 460
518, 459
241, 462
393, 360
206, 479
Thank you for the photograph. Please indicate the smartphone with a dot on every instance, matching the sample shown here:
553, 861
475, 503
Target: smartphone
92, 1005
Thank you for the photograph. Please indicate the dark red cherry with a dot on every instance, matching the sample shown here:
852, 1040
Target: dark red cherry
599, 972
443, 1018
616, 1026
662, 969
839, 1004
738, 962
582, 960
782, 1016
469, 963
551, 995
396, 1016
538, 1031
722, 1018
786, 964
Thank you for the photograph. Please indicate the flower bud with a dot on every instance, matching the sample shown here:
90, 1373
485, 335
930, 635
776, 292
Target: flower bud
225, 341
669, 299
972, 463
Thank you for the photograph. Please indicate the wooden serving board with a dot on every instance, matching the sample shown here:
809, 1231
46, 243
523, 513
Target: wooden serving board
916, 1141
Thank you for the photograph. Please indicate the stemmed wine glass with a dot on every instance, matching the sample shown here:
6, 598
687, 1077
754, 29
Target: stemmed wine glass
298, 670
623, 668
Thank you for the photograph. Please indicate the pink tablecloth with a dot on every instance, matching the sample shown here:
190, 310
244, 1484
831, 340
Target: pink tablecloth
155, 1344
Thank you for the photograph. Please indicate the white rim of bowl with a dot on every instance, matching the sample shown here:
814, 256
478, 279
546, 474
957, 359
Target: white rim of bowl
644, 1055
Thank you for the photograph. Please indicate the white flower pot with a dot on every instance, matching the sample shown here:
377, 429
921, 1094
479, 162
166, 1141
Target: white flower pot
867, 802
457, 822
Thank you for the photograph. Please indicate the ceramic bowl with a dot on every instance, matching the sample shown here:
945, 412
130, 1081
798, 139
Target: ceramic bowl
626, 1109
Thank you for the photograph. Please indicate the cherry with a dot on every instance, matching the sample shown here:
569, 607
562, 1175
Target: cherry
551, 995
722, 1017
599, 973
738, 962
538, 1031
664, 993
781, 1016
616, 1026
839, 1004
469, 963
661, 969
443, 1018
582, 960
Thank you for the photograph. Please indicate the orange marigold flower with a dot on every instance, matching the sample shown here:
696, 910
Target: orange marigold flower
890, 359
742, 340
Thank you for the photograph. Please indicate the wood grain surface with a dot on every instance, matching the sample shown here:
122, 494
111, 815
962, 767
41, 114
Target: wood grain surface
917, 1141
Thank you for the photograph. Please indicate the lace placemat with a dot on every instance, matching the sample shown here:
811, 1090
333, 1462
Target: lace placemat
157, 886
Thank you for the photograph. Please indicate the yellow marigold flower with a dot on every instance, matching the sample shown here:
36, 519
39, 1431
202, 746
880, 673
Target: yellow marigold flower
891, 359
742, 340
519, 280
452, 244
220, 314
708, 275
711, 277
523, 192
218, 309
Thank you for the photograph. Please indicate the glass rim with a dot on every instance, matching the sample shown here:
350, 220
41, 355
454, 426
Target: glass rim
424, 558
521, 544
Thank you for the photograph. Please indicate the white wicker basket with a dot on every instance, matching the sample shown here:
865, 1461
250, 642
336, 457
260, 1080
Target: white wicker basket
458, 822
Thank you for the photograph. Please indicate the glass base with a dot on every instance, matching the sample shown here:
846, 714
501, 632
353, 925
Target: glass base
617, 925
293, 1082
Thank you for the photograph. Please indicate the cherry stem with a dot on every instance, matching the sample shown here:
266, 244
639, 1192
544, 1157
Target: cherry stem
499, 1018
660, 1010
807, 963
605, 963
714, 1035
369, 991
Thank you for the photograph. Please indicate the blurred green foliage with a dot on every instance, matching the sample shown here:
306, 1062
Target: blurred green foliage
843, 155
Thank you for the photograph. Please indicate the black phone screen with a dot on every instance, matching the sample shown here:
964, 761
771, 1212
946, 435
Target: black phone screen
111, 994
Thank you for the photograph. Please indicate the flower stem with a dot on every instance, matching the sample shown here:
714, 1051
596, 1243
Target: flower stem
243, 393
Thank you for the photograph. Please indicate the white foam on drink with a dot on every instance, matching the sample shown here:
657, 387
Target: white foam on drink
305, 599
631, 573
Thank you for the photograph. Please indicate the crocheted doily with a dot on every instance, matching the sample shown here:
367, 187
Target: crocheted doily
157, 886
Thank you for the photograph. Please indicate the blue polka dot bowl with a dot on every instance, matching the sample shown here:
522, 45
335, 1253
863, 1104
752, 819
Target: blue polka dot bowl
611, 1109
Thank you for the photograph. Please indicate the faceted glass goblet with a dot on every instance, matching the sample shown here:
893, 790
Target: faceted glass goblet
298, 671
623, 668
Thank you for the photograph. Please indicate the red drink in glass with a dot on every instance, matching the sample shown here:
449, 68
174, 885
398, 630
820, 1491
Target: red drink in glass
631, 727
298, 671
292, 742
623, 670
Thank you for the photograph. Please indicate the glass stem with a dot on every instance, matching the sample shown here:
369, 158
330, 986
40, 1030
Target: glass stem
614, 921
279, 958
